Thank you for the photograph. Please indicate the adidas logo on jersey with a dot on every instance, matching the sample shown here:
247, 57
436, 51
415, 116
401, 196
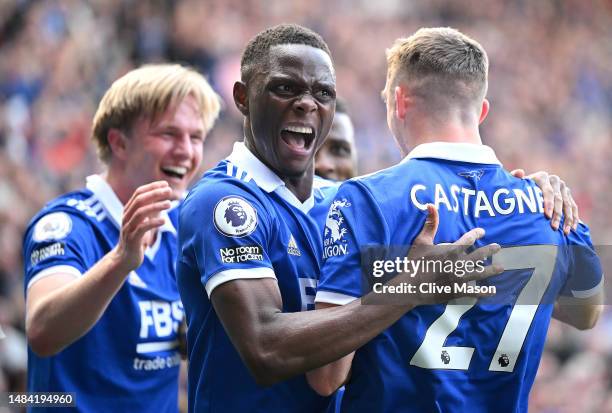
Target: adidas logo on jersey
292, 248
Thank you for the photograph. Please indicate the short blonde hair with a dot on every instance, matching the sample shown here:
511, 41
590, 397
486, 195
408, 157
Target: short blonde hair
148, 92
443, 55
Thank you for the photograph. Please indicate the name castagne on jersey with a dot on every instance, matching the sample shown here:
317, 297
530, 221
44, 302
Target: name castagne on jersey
454, 199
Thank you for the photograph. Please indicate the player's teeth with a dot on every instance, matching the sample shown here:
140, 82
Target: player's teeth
299, 129
179, 170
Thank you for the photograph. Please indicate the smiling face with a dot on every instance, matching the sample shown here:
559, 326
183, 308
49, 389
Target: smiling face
290, 107
168, 148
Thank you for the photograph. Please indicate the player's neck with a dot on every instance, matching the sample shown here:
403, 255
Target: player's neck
119, 185
300, 186
453, 137
449, 133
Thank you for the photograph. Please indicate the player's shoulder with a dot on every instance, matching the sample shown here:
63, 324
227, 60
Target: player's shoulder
402, 173
230, 197
581, 236
385, 185
225, 180
74, 211
82, 204
324, 189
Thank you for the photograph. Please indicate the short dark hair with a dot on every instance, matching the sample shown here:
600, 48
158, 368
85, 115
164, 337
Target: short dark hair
256, 51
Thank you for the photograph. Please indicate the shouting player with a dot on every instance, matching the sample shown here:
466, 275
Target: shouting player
467, 356
103, 307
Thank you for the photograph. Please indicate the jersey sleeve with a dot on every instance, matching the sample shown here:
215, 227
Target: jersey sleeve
353, 223
585, 271
231, 229
57, 242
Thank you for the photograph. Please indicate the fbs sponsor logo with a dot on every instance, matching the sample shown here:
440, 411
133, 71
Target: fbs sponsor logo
159, 319
241, 253
292, 248
235, 217
46, 252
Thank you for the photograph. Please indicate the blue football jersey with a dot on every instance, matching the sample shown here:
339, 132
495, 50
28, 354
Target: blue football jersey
468, 356
240, 221
129, 360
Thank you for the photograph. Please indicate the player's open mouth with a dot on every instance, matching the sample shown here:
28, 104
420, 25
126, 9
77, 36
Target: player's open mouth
178, 172
298, 138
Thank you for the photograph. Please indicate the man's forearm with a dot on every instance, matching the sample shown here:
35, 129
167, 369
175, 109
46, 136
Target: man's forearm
276, 345
581, 313
66, 313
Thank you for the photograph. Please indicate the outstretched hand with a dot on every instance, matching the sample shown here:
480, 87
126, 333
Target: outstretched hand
141, 217
472, 265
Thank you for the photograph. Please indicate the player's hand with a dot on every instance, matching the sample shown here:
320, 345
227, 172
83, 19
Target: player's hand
558, 199
424, 249
141, 217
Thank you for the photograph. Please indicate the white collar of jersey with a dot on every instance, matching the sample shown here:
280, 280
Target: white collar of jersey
455, 151
263, 176
107, 197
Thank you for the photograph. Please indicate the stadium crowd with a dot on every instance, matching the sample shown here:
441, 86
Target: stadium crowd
550, 93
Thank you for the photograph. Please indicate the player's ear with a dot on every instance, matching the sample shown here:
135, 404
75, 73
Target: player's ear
401, 102
241, 100
118, 143
484, 111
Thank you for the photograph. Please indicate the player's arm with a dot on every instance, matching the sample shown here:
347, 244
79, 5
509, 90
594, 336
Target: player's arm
327, 379
558, 200
61, 308
581, 301
276, 345
581, 313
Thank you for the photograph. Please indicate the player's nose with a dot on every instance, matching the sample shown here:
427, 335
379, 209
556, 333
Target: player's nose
305, 103
184, 146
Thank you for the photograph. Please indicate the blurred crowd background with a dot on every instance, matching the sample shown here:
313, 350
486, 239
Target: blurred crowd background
550, 92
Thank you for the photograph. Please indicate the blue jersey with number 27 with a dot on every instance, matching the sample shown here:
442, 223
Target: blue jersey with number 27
469, 355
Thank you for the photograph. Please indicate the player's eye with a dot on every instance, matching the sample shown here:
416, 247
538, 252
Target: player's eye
285, 89
340, 151
326, 94
168, 134
197, 138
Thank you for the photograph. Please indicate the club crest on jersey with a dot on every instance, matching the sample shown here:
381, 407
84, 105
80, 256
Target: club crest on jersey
334, 244
235, 217
475, 174
53, 226
504, 360
445, 357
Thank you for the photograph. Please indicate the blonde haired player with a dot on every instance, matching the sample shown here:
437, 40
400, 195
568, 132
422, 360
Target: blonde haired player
103, 309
